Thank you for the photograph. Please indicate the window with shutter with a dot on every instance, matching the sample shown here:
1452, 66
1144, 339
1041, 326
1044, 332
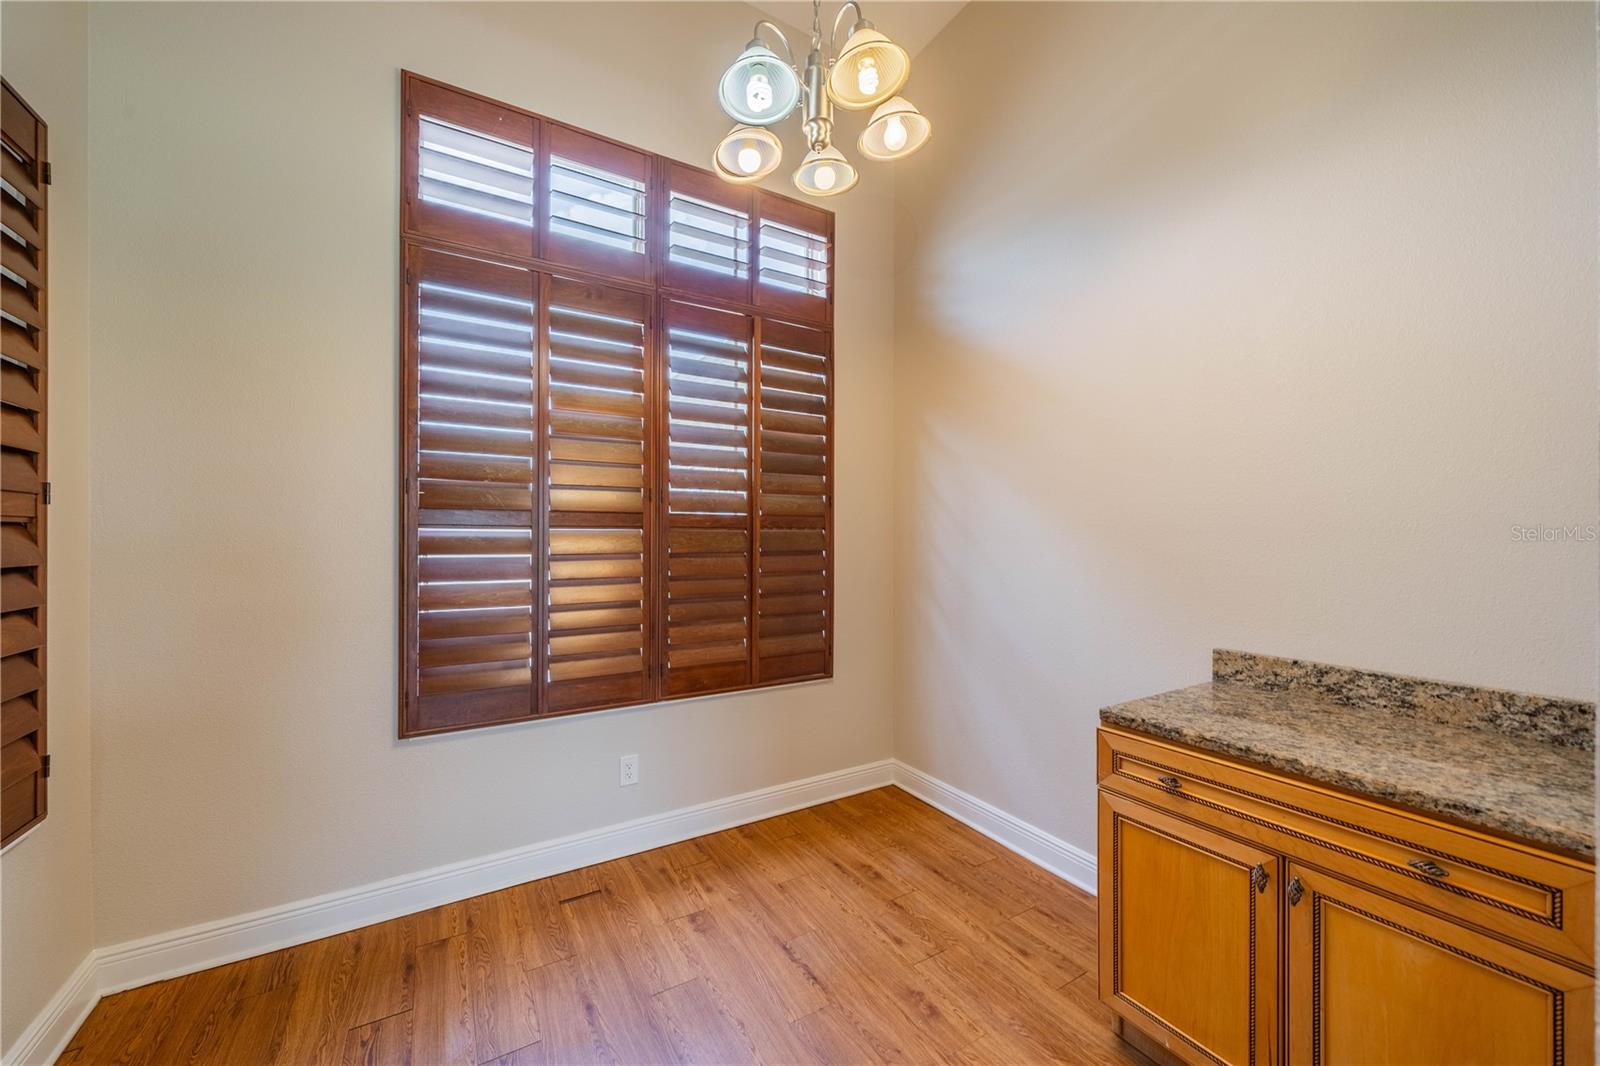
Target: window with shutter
794, 258
475, 170
708, 235
598, 462
23, 393
597, 202
616, 423
472, 448
794, 584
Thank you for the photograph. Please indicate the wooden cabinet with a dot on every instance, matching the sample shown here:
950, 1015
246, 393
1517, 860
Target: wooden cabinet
1192, 930
1249, 918
1374, 980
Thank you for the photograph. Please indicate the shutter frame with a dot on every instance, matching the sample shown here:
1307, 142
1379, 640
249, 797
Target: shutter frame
566, 142
592, 545
793, 215
24, 469
707, 559
425, 99
789, 646
441, 654
737, 200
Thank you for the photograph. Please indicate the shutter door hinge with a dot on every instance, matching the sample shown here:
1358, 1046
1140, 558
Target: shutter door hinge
44, 766
45, 492
48, 173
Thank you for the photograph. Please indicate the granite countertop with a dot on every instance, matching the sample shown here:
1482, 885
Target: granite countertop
1499, 761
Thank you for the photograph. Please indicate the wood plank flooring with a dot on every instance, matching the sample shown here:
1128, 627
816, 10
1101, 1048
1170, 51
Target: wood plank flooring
873, 929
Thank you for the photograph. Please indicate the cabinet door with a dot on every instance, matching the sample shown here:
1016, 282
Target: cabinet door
1372, 981
1189, 934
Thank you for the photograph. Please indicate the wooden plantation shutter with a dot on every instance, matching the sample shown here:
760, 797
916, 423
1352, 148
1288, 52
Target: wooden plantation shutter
598, 528
707, 508
794, 259
616, 441
472, 446
794, 584
708, 235
24, 762
595, 215
472, 170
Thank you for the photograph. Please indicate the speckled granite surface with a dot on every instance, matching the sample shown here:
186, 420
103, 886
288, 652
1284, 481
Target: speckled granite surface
1568, 722
1482, 757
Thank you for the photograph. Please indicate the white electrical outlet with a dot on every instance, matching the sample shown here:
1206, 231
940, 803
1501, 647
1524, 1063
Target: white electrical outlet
630, 769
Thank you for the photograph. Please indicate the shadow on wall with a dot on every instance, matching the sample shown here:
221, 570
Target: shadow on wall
1177, 288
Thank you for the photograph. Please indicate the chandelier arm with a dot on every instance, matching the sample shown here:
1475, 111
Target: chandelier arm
787, 47
833, 35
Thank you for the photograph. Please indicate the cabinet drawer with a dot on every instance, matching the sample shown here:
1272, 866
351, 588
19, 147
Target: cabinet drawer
1533, 897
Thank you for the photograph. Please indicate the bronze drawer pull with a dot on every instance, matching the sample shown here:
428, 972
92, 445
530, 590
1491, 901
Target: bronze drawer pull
1429, 867
1259, 878
1169, 781
1296, 890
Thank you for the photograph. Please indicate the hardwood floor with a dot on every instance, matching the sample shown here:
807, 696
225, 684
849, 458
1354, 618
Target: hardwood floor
871, 929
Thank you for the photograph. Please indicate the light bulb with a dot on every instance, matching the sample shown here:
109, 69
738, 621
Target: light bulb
825, 177
894, 134
749, 159
758, 93
867, 76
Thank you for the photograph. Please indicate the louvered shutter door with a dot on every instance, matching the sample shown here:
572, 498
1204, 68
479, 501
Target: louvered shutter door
471, 515
471, 170
599, 533
595, 216
794, 583
707, 507
708, 239
22, 472
794, 259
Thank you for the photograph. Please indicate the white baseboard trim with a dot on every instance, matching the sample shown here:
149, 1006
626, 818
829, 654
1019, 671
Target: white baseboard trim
1065, 860
198, 947
46, 1036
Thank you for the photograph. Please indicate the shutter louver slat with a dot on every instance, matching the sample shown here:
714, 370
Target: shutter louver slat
793, 260
478, 175
794, 581
708, 550
475, 486
18, 718
23, 392
598, 629
705, 236
18, 180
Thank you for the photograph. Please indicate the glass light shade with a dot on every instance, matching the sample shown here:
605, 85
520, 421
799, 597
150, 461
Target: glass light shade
895, 131
746, 154
758, 89
826, 173
870, 69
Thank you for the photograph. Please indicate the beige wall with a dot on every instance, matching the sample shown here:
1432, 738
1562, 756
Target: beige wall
46, 881
245, 196
1256, 326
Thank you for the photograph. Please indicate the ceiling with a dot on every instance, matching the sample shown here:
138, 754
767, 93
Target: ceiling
911, 23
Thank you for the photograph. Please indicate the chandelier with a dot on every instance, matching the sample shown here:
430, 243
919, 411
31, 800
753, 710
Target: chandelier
761, 89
